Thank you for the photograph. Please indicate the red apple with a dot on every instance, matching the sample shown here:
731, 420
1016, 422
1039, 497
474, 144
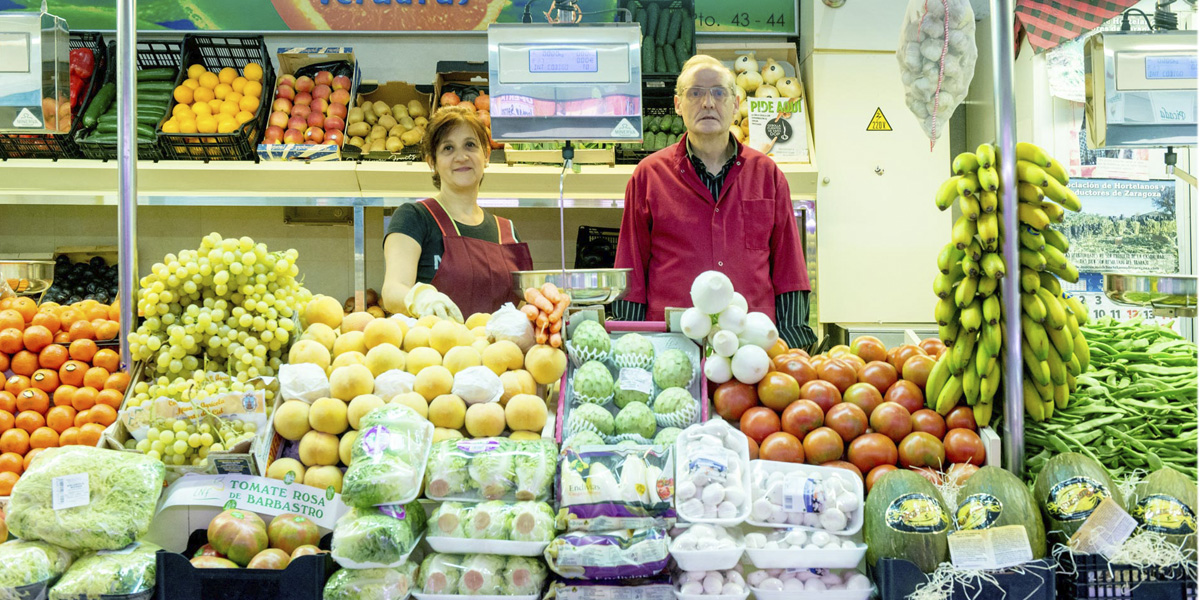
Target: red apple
301, 110
293, 136
320, 105
285, 91
335, 137
303, 98
340, 97
321, 91
304, 84
273, 135
288, 80
341, 82
297, 123
282, 105
316, 119
336, 110
334, 124
278, 119
314, 134
323, 78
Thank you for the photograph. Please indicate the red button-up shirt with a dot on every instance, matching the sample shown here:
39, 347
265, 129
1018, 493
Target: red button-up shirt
671, 231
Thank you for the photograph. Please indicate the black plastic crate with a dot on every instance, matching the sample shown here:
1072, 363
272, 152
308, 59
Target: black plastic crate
215, 52
657, 101
1083, 576
896, 579
151, 54
596, 247
303, 579
61, 145
639, 8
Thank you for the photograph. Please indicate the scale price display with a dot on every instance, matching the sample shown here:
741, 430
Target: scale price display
1171, 67
761, 16
563, 60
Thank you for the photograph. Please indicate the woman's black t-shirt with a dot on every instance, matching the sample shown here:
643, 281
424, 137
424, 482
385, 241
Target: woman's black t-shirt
415, 221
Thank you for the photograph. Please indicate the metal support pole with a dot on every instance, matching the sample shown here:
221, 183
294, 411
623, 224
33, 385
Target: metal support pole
1006, 154
127, 262
360, 258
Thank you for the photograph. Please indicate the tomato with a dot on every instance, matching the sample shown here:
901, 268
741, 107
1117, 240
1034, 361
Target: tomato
964, 446
962, 417
932, 346
930, 422
801, 417
798, 368
733, 398
868, 348
906, 394
783, 447
759, 422
876, 473
879, 374
779, 347
855, 361
777, 390
841, 464
848, 420
839, 373
892, 420
838, 350
917, 368
825, 394
902, 354
959, 473
933, 476
753, 448
822, 445
864, 396
871, 450
920, 449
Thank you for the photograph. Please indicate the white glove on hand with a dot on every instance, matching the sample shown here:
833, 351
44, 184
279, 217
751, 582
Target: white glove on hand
424, 299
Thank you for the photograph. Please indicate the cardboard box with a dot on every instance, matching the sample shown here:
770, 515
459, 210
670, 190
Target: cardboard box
779, 128
393, 93
458, 72
290, 61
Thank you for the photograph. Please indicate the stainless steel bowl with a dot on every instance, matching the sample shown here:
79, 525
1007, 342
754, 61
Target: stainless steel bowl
1161, 292
586, 286
31, 277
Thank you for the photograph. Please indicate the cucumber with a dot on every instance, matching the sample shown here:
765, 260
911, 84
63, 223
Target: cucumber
682, 51
688, 32
647, 54
651, 28
158, 74
110, 125
670, 58
673, 28
651, 125
677, 126
660, 61
993, 497
154, 87
660, 31
99, 104
661, 141
905, 517
111, 138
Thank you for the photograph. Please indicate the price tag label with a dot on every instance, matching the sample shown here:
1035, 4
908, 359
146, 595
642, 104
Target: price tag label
1108, 527
995, 548
69, 491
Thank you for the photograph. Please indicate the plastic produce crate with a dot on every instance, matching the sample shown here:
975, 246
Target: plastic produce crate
640, 9
215, 53
596, 247
151, 54
1095, 577
896, 579
303, 579
61, 145
658, 99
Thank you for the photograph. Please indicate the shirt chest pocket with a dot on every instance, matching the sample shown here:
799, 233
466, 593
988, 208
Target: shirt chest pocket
758, 219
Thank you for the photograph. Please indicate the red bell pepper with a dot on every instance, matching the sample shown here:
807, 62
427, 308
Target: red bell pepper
82, 62
76, 88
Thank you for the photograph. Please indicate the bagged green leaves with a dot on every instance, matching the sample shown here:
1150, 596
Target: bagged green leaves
372, 584
27, 563
108, 572
377, 537
491, 469
388, 458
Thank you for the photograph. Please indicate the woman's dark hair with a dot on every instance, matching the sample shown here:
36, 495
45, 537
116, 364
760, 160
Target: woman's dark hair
445, 120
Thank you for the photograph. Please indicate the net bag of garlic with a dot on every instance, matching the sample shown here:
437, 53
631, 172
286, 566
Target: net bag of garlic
937, 60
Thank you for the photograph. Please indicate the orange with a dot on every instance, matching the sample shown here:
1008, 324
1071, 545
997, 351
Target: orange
8, 402
171, 126
63, 395
253, 71
50, 307
89, 434
206, 124
108, 359
209, 80
239, 84
37, 337
11, 340
234, 97
53, 356
183, 95
248, 103
82, 349
60, 418
187, 126
72, 372
95, 377
7, 421
84, 398
243, 117
81, 418
11, 462
6, 303
227, 124
195, 71
62, 337
107, 329
24, 363
111, 398
82, 329
43, 437
222, 91
4, 362
7, 481
96, 311
11, 319
47, 319
14, 440
16, 384
227, 75
253, 89
118, 381
191, 84
182, 109
30, 421
201, 109
69, 436
26, 306
103, 414
33, 399
68, 316
45, 380
202, 95
114, 311
29, 456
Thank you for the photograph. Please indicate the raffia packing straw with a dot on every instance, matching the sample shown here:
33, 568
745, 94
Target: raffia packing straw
978, 584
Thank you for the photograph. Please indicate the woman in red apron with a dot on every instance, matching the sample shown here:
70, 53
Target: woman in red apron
450, 257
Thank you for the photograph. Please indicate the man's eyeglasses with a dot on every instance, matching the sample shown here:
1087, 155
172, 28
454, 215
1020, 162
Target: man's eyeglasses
697, 94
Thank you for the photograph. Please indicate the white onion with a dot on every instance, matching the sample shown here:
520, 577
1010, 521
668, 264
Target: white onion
695, 324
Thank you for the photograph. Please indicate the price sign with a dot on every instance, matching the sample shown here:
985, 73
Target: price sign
760, 16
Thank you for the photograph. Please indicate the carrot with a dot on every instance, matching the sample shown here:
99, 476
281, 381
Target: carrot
534, 297
531, 311
556, 326
542, 321
542, 335
550, 291
556, 340
560, 308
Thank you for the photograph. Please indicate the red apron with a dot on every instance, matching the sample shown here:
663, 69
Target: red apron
477, 274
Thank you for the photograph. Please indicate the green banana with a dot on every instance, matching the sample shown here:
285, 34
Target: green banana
937, 378
1054, 212
1058, 370
989, 340
1071, 384
987, 286
1032, 239
988, 201
1035, 334
963, 232
964, 294
1031, 259
1049, 406
970, 385
1068, 273
1045, 390
948, 333
1032, 401
983, 358
971, 317
943, 286
964, 163
1050, 282
989, 179
1072, 320
949, 395
991, 383
948, 256
1031, 173
1079, 310
1056, 170
1027, 192
1039, 370
1029, 280
1063, 195
982, 412
963, 350
968, 185
1073, 366
1032, 216
1034, 307
969, 207
947, 193
1082, 352
1032, 153
988, 227
1062, 395
946, 311
1056, 317
971, 267
1062, 342
992, 309
1055, 238
975, 251
993, 265
986, 155
1054, 258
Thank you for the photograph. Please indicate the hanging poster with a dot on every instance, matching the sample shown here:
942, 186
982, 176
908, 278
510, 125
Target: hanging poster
1125, 226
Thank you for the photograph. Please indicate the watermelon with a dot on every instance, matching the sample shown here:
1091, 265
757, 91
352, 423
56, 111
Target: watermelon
993, 497
1069, 489
1165, 502
905, 517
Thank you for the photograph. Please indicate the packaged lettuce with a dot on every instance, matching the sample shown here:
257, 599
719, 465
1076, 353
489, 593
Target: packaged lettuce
450, 520
377, 537
388, 457
86, 499
491, 469
372, 584
490, 521
109, 572
27, 563
481, 575
494, 521
620, 554
532, 522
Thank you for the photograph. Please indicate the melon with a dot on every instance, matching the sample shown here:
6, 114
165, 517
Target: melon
993, 497
1068, 490
290, 531
1165, 502
905, 517
238, 534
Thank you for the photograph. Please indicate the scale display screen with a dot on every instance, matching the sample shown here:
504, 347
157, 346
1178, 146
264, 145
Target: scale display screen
563, 60
1171, 67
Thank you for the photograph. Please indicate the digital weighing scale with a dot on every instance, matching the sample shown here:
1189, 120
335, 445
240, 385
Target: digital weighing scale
34, 72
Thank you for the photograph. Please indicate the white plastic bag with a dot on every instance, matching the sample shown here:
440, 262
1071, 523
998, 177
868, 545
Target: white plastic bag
304, 382
937, 60
510, 324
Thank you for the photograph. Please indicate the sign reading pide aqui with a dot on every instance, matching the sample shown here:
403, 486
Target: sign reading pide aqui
257, 494
779, 128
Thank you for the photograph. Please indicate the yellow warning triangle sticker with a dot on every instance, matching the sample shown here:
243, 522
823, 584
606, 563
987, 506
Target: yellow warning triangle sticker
879, 122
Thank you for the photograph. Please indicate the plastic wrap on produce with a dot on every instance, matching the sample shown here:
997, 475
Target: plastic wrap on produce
388, 458
378, 537
86, 499
621, 554
444, 575
491, 469
27, 563
372, 584
654, 588
603, 488
306, 382
501, 521
109, 572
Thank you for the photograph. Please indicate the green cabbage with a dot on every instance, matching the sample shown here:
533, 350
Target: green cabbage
26, 563
123, 493
108, 572
371, 584
440, 573
388, 457
532, 522
492, 470
483, 575
377, 536
490, 521
535, 466
446, 476
524, 576
450, 520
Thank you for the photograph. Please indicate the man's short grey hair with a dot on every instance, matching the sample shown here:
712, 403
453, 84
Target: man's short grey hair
700, 61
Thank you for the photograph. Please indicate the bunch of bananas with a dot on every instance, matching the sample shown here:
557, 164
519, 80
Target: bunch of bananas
969, 311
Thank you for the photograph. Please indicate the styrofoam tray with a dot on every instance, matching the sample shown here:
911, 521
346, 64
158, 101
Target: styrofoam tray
810, 595
824, 558
708, 560
743, 456
852, 483
450, 545
682, 596
423, 596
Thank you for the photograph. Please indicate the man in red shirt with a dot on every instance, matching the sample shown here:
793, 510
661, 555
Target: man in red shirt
711, 203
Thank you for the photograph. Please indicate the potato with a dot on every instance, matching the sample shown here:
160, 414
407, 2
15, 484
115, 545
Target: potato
393, 144
399, 110
396, 131
377, 133
416, 110
381, 108
412, 137
360, 129
420, 121
354, 116
387, 121
357, 141
408, 123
